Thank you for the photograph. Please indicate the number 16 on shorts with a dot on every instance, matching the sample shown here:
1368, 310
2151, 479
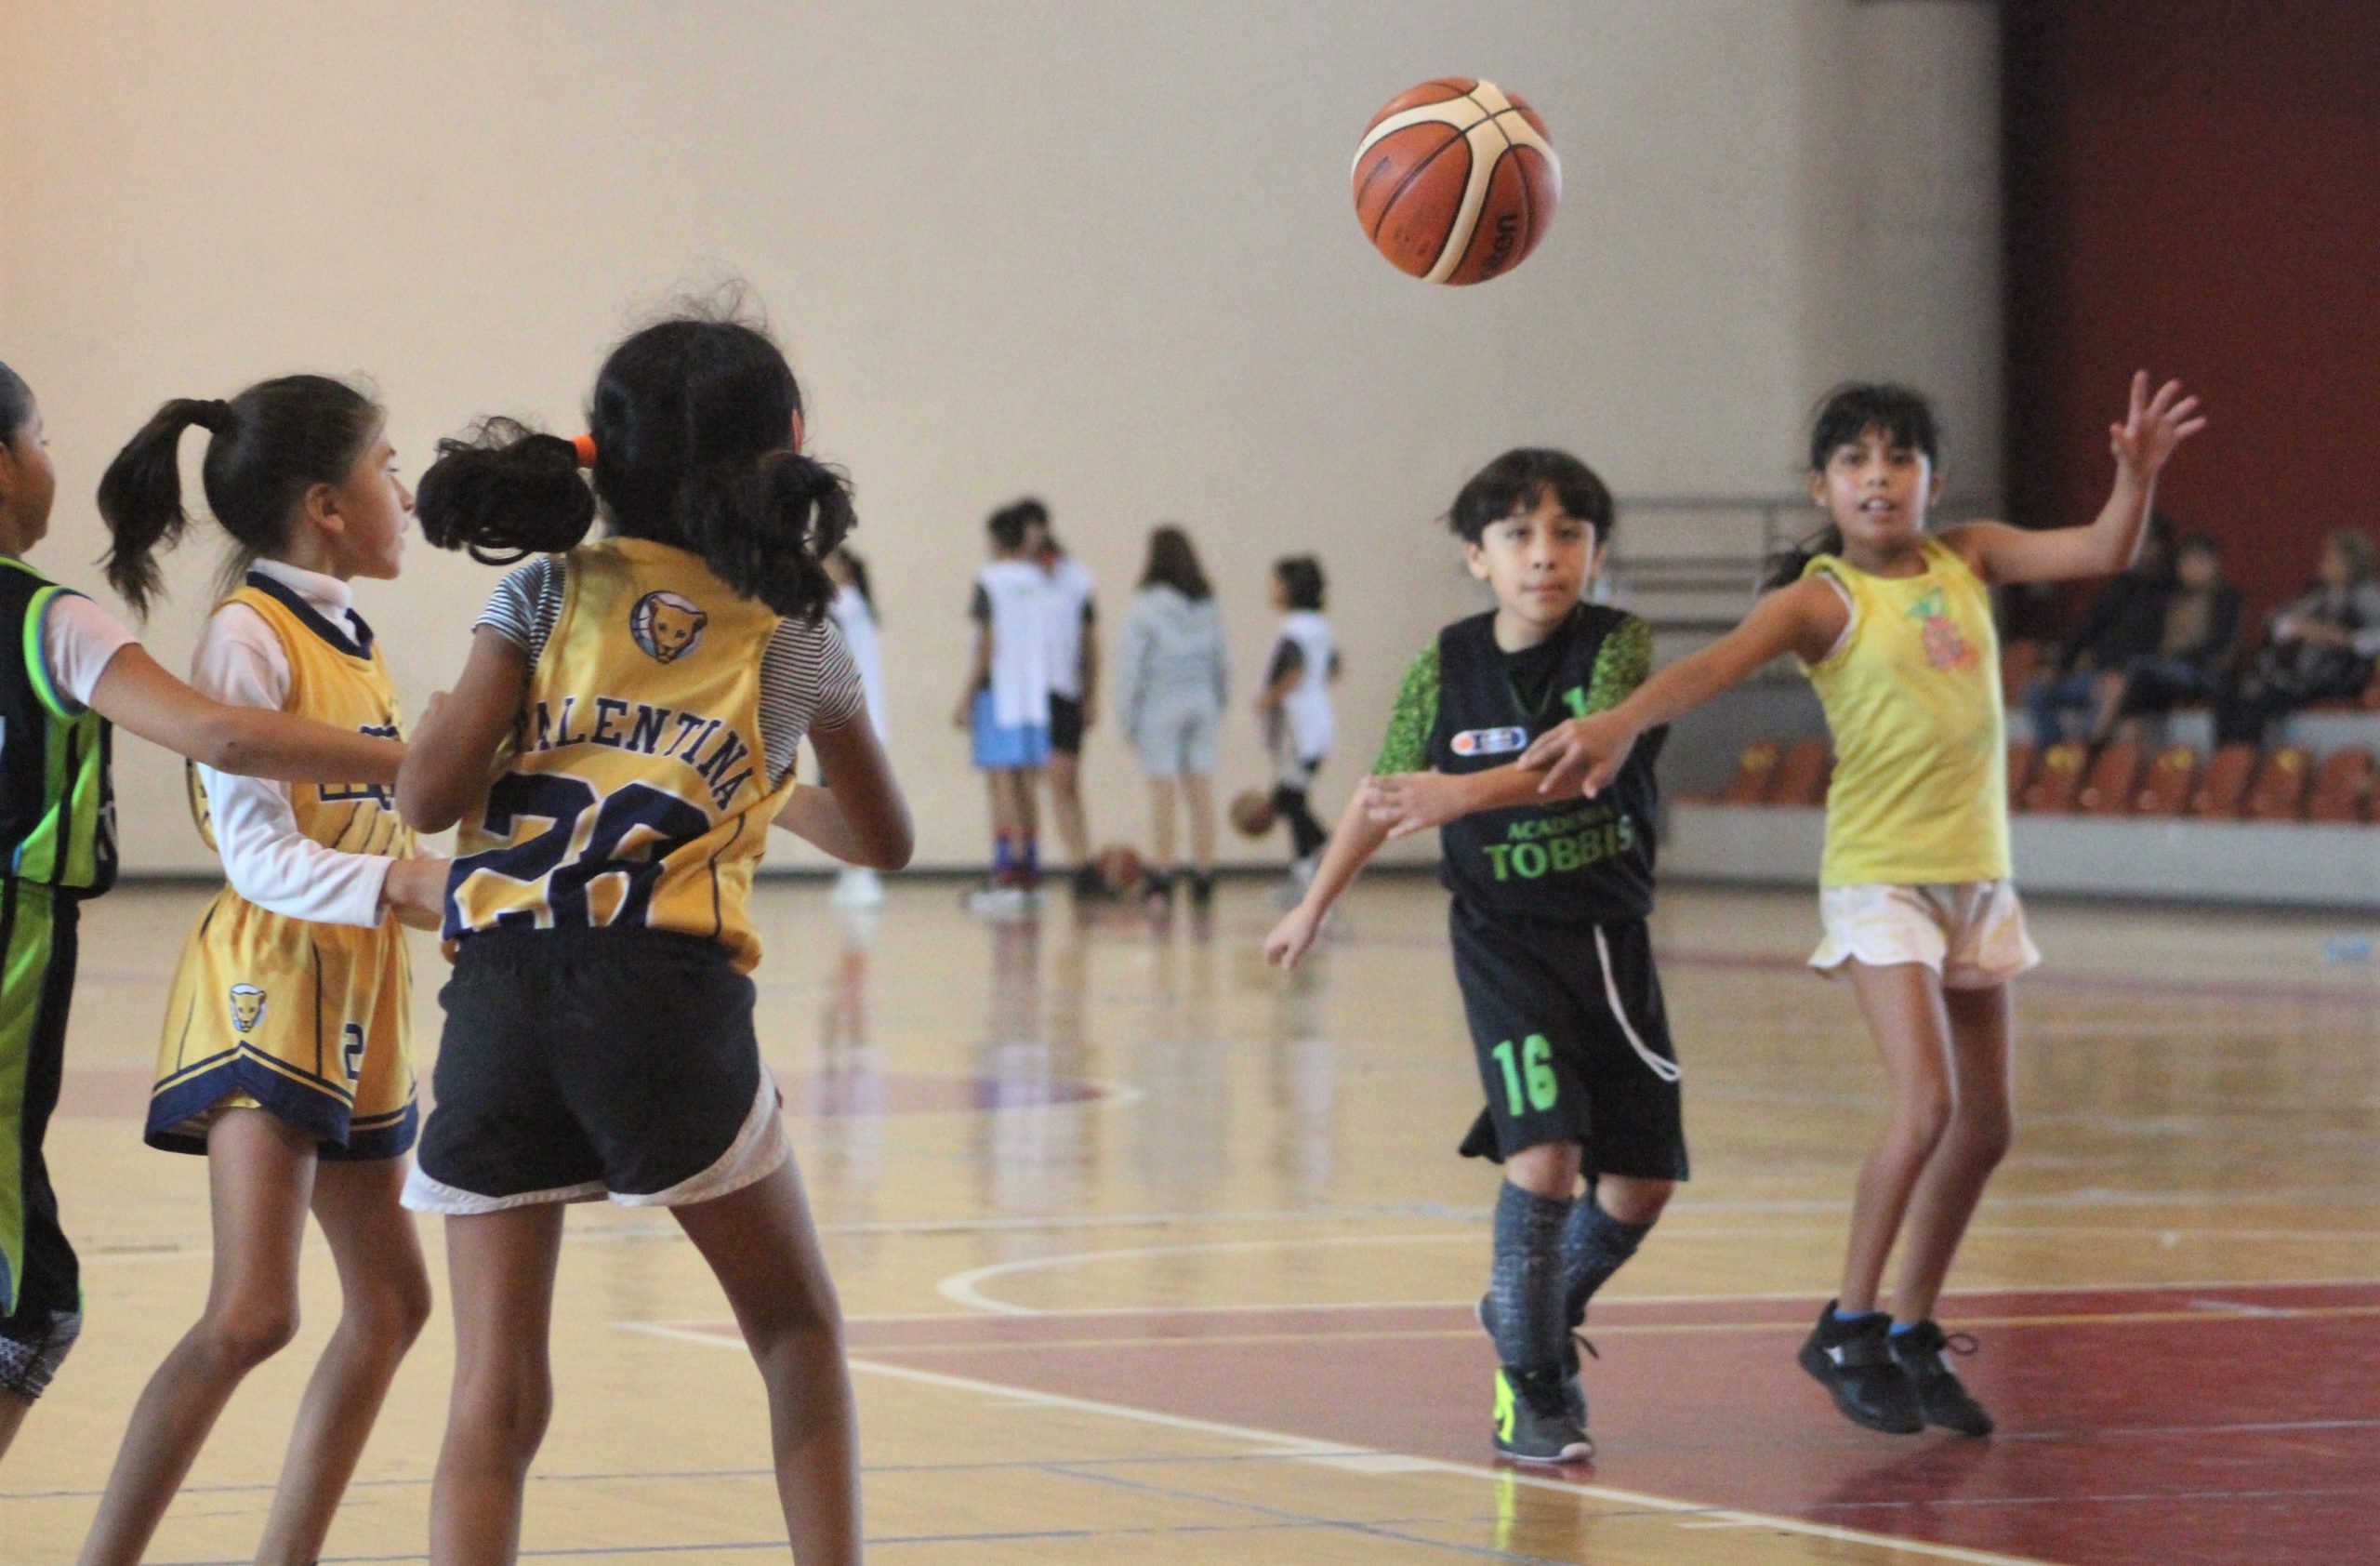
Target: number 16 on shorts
1530, 1086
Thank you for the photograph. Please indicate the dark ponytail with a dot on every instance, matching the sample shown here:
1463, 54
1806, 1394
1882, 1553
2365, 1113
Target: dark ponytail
1785, 567
16, 405
266, 448
502, 492
693, 421
764, 527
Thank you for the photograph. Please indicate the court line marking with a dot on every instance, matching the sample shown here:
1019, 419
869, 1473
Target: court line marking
1335, 1454
965, 1288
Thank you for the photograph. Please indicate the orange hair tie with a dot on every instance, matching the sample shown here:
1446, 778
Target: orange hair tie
585, 446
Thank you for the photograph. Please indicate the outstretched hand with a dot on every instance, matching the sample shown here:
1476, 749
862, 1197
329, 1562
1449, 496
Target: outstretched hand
1406, 803
2153, 426
1580, 755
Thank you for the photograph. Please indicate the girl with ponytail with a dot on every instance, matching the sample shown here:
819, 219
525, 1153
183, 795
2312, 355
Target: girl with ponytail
637, 702
285, 1060
68, 670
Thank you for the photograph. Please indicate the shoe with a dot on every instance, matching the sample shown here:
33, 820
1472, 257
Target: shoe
997, 900
1202, 891
1851, 1360
1923, 1350
1157, 891
1531, 1424
1089, 885
858, 887
1574, 1395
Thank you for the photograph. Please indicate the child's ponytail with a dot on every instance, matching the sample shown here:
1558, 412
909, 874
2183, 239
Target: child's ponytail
140, 494
764, 527
504, 492
1785, 567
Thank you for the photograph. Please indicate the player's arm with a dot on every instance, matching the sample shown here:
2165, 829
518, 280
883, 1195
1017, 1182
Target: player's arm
860, 816
979, 674
1089, 666
1351, 847
2141, 445
139, 694
1288, 664
1585, 755
457, 741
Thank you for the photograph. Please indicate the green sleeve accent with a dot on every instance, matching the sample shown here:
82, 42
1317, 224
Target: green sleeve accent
1622, 663
1407, 749
36, 664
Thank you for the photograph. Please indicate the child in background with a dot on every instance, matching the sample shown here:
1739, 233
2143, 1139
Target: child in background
853, 611
68, 671
1171, 675
1552, 952
1893, 625
638, 702
1071, 619
1005, 705
1295, 706
285, 1060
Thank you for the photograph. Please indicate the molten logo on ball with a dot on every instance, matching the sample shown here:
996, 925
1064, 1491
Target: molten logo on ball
1456, 180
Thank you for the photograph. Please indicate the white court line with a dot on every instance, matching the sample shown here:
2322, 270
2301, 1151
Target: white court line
1360, 1459
965, 1288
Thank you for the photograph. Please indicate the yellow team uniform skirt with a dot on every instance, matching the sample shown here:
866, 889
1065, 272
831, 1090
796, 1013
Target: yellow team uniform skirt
313, 1022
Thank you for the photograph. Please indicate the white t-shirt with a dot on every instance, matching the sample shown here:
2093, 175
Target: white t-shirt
1069, 586
241, 663
1011, 598
78, 638
851, 616
1305, 643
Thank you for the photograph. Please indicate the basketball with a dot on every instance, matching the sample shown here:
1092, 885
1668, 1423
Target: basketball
1456, 180
1251, 812
1119, 867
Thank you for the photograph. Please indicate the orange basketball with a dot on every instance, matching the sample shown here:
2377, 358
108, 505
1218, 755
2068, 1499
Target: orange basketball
1251, 812
1456, 180
1120, 869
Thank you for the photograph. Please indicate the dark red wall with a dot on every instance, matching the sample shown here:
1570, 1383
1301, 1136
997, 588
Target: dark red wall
2193, 187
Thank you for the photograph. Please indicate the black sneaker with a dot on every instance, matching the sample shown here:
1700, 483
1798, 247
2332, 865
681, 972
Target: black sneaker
1574, 1396
1202, 891
1089, 885
1852, 1360
1923, 1350
1531, 1424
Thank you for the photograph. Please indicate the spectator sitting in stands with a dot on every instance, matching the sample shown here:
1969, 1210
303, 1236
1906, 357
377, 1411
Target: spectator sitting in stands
2122, 625
2195, 639
2317, 647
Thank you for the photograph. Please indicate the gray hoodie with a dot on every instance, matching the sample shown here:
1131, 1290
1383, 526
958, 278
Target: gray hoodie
1173, 657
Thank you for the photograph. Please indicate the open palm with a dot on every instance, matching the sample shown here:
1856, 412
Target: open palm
2153, 426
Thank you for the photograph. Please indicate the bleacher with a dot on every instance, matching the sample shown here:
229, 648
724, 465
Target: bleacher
2297, 823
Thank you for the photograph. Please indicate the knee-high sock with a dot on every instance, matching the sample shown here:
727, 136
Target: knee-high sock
1595, 1246
1527, 1284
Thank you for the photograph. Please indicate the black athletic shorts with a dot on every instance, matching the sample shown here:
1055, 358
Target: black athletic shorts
581, 1064
1573, 1041
1066, 724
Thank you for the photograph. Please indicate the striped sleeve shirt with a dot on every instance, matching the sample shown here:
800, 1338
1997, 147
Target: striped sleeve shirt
807, 680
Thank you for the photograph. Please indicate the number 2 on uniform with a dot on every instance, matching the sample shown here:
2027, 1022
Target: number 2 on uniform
351, 1055
1533, 1068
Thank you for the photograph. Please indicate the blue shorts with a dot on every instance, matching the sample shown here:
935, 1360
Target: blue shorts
1003, 747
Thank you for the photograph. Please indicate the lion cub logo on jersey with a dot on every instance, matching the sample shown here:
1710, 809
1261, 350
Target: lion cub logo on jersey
248, 1007
667, 626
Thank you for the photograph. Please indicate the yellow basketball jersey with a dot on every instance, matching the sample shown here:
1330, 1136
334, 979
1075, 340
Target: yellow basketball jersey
638, 790
309, 1020
1920, 794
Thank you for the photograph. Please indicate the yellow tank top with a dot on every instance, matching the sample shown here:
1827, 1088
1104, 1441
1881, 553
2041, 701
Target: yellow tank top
637, 792
1920, 794
341, 681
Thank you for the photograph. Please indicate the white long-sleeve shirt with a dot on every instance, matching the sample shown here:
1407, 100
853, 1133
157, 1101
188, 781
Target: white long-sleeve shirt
266, 859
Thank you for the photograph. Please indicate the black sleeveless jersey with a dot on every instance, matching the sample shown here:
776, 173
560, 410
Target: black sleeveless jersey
1575, 859
56, 800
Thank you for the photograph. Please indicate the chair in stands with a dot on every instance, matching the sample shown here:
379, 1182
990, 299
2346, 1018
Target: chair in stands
2225, 783
2020, 766
2019, 661
1802, 774
2167, 782
2107, 787
2341, 786
2279, 791
2057, 778
1755, 775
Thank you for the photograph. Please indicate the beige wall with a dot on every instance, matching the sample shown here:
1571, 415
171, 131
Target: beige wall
1098, 251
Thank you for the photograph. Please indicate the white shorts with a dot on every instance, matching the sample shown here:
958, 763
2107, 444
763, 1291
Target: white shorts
1971, 934
1178, 737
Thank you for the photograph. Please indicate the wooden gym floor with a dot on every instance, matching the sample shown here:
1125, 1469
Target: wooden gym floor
1152, 1253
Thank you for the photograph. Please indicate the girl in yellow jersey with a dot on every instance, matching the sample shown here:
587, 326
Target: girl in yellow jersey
284, 1058
1894, 628
614, 752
